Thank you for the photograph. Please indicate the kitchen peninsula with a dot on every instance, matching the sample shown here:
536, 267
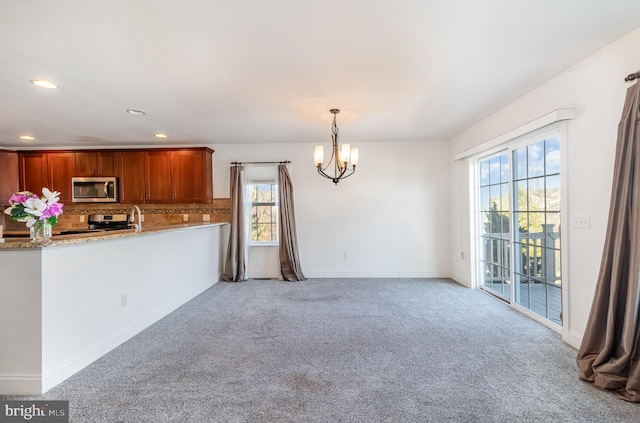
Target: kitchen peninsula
64, 305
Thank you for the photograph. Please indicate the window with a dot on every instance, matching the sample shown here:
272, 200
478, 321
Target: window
264, 213
494, 217
519, 225
536, 229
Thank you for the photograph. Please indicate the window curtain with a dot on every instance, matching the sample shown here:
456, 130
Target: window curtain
609, 353
288, 244
235, 268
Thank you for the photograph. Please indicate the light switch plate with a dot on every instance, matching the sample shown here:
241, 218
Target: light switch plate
581, 220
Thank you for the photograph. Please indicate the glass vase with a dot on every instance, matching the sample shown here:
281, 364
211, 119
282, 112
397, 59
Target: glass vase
40, 233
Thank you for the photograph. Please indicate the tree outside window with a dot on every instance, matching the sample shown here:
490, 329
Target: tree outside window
264, 213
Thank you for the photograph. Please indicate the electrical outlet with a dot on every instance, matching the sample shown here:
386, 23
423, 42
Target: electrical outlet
142, 218
462, 254
185, 217
81, 218
346, 256
206, 218
123, 300
581, 220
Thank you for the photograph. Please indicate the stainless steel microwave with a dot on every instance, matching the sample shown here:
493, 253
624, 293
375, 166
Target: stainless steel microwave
95, 190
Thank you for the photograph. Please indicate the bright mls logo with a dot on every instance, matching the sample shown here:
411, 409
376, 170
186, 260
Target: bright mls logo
34, 411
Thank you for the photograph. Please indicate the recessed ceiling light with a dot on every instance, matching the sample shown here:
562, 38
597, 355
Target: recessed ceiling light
27, 137
43, 83
160, 135
136, 112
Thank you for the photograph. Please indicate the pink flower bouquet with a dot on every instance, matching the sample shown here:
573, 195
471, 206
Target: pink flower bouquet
27, 207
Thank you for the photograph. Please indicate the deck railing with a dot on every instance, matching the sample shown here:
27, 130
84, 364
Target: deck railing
536, 258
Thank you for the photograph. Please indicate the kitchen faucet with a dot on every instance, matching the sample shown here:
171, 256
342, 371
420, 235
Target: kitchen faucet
138, 226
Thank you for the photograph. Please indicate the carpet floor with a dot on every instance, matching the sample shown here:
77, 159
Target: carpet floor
340, 350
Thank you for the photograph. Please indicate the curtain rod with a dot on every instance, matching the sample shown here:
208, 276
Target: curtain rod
282, 162
632, 76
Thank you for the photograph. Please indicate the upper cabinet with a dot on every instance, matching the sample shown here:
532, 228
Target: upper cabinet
96, 163
191, 176
34, 171
158, 176
166, 176
52, 170
61, 169
132, 177
8, 175
153, 176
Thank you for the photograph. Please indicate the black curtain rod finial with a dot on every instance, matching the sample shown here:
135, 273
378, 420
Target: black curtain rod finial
280, 162
632, 76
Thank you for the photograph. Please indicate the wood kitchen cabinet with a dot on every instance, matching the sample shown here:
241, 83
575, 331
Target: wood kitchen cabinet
158, 176
33, 171
166, 176
154, 176
179, 176
61, 169
52, 170
191, 176
96, 163
8, 175
132, 177
145, 177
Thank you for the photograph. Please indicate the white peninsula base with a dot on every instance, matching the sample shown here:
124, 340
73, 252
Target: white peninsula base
62, 307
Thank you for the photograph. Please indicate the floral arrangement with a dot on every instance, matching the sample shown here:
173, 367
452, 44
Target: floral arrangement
27, 207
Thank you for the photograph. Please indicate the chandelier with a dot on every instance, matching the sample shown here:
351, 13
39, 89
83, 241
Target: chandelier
339, 156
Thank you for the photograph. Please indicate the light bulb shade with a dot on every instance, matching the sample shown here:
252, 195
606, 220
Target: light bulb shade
318, 155
354, 157
344, 154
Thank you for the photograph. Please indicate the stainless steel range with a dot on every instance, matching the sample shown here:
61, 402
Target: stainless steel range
109, 222
102, 223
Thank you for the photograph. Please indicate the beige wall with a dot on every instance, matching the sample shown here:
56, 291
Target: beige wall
390, 219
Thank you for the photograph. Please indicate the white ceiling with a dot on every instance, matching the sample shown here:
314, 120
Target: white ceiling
252, 71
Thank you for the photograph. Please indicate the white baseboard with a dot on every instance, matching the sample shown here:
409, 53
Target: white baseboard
16, 384
572, 338
356, 274
461, 280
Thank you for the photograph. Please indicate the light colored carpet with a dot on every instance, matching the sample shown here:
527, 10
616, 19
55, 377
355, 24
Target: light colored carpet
340, 350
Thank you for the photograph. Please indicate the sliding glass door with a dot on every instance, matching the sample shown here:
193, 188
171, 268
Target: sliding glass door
536, 206
495, 267
519, 226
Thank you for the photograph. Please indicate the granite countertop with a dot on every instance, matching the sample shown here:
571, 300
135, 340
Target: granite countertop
57, 240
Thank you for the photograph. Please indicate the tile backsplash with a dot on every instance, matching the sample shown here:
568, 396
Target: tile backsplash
75, 215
